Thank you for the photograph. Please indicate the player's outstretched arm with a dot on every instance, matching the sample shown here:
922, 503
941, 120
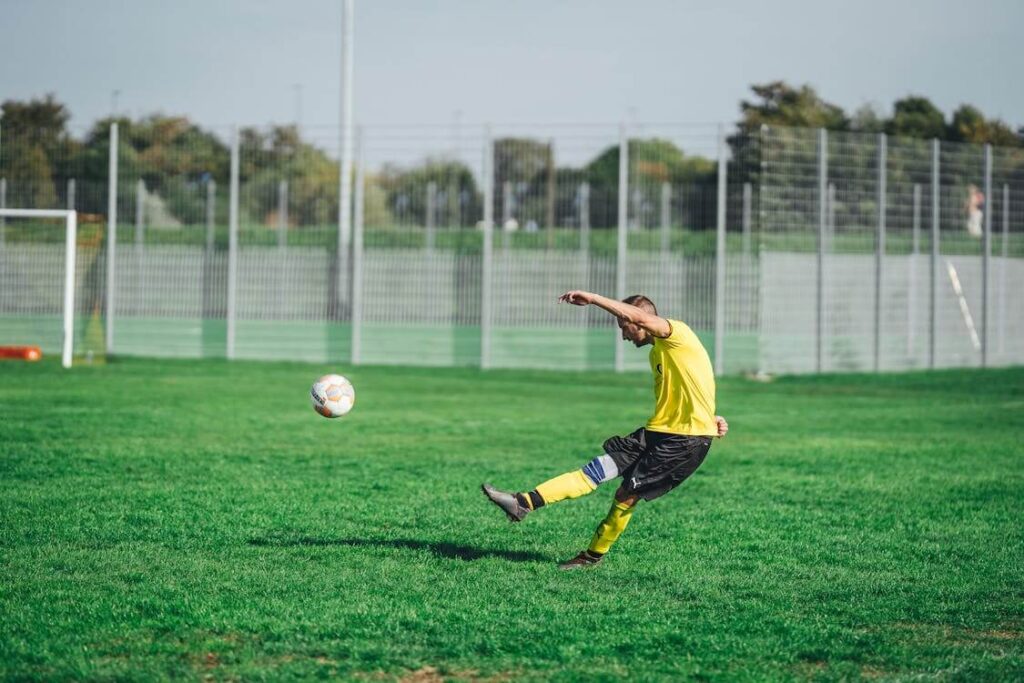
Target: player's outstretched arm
654, 324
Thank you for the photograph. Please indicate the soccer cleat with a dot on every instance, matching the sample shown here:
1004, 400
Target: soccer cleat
508, 502
581, 561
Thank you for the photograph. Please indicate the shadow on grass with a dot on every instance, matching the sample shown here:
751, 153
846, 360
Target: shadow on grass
448, 550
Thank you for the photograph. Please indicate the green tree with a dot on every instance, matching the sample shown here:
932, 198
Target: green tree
29, 176
916, 117
407, 197
90, 166
521, 159
267, 158
170, 146
37, 123
652, 162
526, 168
968, 125
36, 147
780, 104
867, 120
175, 158
788, 109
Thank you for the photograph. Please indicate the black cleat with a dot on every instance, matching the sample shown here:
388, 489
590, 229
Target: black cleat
508, 502
581, 561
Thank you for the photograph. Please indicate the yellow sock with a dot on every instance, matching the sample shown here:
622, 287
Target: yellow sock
610, 528
569, 485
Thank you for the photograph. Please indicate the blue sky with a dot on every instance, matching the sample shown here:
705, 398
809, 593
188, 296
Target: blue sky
556, 61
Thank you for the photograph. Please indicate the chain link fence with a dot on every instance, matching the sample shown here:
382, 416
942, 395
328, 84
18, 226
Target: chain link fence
786, 250
918, 247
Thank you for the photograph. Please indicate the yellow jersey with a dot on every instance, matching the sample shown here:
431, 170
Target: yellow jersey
684, 385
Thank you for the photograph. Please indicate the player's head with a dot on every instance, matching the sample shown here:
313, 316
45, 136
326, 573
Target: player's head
634, 333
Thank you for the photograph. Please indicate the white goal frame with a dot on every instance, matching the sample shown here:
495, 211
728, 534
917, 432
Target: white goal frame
70, 242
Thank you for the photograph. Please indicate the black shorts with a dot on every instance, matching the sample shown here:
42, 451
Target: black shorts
654, 463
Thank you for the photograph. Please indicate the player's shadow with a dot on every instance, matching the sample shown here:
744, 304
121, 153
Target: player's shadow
452, 551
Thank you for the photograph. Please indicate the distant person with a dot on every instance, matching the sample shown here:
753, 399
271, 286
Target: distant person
654, 459
975, 210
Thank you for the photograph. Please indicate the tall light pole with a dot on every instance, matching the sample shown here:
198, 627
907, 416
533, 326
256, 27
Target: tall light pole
345, 191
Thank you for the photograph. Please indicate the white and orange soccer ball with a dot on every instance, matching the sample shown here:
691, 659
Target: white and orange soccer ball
332, 396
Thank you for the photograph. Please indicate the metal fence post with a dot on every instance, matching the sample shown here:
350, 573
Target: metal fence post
139, 269
915, 247
488, 251
823, 208
748, 196
70, 240
431, 213
1002, 269
506, 202
830, 224
620, 248
506, 214
934, 265
454, 214
209, 310
111, 233
233, 246
282, 244
3, 205
666, 217
357, 252
140, 200
549, 196
282, 213
720, 256
584, 209
71, 194
986, 256
880, 247
211, 199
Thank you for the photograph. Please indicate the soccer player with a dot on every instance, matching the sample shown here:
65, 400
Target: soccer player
654, 459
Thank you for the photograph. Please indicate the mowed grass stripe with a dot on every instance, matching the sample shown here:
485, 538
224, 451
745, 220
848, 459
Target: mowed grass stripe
175, 518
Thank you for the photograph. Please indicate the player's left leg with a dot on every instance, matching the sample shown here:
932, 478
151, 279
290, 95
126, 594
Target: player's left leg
620, 453
565, 486
573, 484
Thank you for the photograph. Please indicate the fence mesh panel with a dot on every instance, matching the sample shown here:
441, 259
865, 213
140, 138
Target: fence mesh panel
829, 263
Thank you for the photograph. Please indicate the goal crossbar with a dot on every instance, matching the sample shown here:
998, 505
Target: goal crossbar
70, 240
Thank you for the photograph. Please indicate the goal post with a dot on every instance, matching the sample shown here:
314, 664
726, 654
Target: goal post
70, 219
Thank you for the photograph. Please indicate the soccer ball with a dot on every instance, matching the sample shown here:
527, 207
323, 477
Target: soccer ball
332, 396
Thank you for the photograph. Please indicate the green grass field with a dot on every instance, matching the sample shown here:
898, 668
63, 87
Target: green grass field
196, 519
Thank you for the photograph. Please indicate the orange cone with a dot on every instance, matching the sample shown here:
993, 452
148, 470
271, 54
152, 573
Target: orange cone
30, 353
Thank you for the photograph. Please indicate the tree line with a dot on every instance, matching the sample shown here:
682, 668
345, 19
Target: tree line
176, 159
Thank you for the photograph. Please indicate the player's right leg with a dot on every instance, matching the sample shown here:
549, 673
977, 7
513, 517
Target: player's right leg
569, 485
607, 532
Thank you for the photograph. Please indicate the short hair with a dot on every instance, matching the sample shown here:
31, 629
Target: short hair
641, 301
